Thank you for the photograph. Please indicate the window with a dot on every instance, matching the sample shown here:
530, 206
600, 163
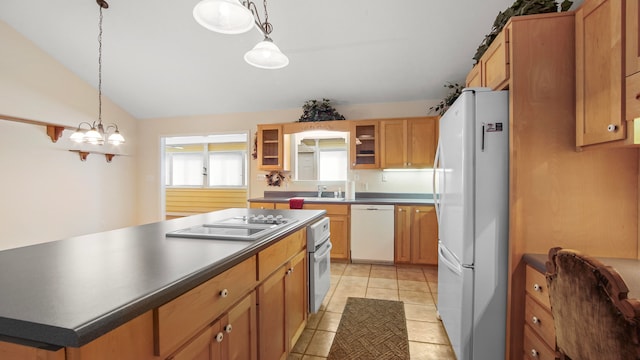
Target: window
185, 169
333, 165
206, 161
227, 168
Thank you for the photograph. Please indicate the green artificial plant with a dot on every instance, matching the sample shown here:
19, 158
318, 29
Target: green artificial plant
443, 105
314, 110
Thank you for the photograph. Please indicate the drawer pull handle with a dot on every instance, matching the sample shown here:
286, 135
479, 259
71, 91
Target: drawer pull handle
228, 328
612, 128
224, 293
535, 320
537, 288
637, 96
219, 336
288, 271
534, 353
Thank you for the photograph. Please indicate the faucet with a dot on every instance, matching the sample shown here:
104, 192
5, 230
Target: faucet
321, 188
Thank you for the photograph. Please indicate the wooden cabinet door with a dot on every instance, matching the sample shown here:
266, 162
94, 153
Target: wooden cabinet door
599, 72
474, 78
270, 147
402, 231
240, 337
632, 38
263, 205
282, 305
364, 148
339, 225
205, 346
273, 344
424, 236
393, 140
296, 297
422, 142
495, 62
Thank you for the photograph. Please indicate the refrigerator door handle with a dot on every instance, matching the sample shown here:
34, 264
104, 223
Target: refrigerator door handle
447, 258
437, 195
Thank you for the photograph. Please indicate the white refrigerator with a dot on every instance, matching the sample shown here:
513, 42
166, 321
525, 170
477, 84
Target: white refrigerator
471, 182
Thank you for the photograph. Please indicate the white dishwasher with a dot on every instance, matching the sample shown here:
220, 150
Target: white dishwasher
372, 233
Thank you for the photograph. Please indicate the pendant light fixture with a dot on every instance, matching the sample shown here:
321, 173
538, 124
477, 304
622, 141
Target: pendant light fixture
235, 17
97, 131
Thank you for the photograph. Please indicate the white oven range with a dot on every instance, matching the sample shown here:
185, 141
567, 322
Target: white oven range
319, 248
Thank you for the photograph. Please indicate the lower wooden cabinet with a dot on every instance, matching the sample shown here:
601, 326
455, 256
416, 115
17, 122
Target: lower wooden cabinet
340, 223
232, 337
539, 330
263, 205
416, 235
282, 308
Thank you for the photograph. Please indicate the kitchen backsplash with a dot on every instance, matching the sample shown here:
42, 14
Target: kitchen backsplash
417, 181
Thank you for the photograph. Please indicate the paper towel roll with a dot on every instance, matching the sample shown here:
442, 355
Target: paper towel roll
350, 190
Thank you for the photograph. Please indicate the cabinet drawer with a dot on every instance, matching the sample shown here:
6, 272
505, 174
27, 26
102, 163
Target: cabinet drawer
277, 254
332, 209
179, 319
633, 96
263, 205
536, 285
540, 320
535, 348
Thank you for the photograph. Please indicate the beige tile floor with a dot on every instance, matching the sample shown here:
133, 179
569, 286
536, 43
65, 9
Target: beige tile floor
417, 287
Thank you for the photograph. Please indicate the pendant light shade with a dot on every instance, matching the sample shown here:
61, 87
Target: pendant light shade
266, 55
224, 16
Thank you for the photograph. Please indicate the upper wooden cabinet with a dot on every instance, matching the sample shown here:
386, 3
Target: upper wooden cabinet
493, 68
632, 86
474, 78
408, 143
270, 147
599, 72
364, 144
632, 39
606, 51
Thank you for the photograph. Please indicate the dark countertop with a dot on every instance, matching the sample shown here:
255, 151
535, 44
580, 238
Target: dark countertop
360, 198
629, 269
71, 291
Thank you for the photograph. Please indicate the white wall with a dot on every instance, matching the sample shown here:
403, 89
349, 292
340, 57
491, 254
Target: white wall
47, 193
152, 130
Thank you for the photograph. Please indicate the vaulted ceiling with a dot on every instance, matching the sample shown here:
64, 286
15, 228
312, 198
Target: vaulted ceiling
158, 62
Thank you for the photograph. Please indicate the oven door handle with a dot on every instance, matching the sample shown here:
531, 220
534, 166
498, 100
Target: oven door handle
325, 253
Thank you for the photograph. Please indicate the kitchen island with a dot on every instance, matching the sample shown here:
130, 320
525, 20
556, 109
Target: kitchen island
67, 295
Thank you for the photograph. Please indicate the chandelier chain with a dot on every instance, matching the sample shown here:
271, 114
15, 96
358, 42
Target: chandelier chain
100, 68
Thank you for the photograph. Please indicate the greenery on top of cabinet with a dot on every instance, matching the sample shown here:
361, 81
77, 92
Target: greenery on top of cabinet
519, 7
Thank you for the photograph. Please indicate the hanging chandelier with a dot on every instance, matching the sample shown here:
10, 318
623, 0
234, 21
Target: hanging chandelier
234, 17
97, 132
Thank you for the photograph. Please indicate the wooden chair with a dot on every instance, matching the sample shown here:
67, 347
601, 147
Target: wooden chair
592, 315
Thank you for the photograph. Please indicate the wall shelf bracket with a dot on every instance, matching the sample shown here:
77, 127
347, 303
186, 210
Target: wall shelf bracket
84, 154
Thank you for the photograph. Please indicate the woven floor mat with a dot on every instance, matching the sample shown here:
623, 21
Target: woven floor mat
371, 329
